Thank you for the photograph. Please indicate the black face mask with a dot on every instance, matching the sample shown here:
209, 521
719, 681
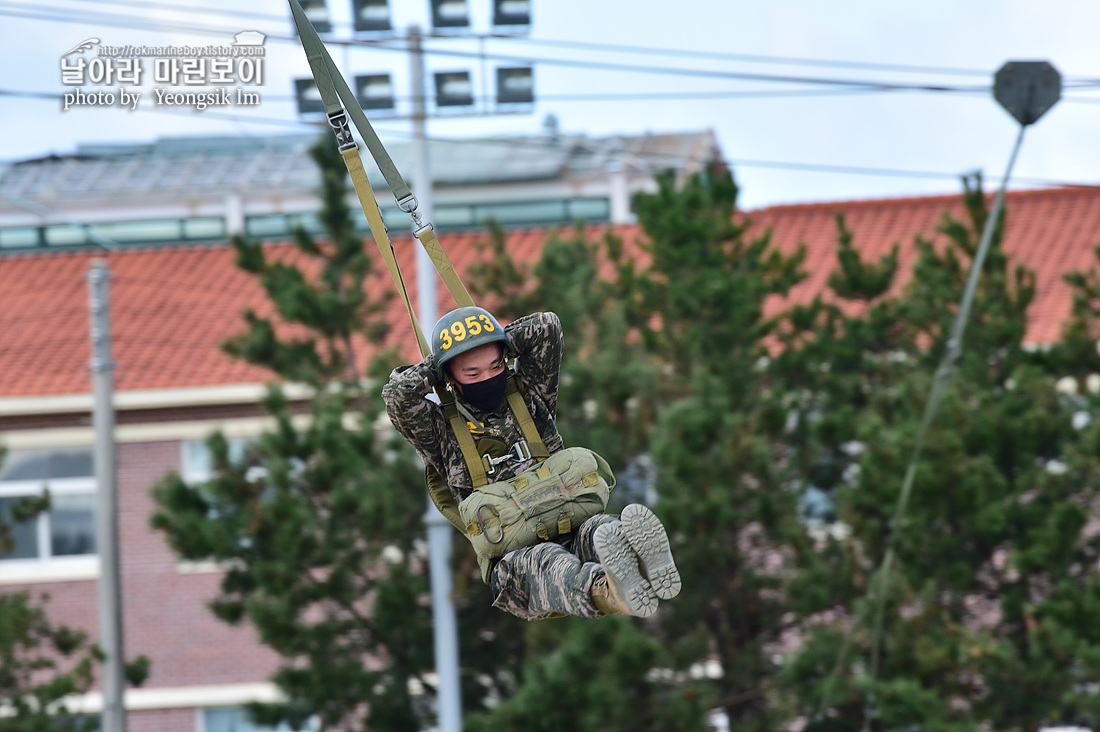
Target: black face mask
487, 395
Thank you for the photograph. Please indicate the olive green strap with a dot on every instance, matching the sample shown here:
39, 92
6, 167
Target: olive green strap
381, 237
337, 98
385, 247
442, 497
526, 423
334, 89
340, 104
478, 476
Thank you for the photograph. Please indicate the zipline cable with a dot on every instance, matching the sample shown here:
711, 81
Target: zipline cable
939, 386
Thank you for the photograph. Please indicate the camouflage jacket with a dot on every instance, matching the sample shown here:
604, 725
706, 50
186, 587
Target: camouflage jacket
536, 342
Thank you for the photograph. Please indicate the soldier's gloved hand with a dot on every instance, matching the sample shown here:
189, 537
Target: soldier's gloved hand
416, 376
427, 367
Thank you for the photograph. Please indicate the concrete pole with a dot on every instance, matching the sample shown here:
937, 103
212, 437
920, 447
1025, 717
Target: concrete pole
440, 531
110, 580
422, 183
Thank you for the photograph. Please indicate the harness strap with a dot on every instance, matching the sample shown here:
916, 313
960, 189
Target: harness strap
470, 454
340, 104
523, 417
381, 238
479, 475
333, 90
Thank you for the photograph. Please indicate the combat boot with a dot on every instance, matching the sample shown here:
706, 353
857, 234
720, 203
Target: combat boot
605, 599
623, 589
647, 537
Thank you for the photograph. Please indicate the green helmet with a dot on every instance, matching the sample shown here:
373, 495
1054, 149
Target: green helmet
463, 330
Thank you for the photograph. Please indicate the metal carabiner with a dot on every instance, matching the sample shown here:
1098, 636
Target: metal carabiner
481, 521
338, 121
419, 224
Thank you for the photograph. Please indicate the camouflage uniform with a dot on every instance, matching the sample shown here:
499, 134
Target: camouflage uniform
534, 582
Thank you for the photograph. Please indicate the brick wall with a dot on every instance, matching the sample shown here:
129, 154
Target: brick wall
166, 616
164, 612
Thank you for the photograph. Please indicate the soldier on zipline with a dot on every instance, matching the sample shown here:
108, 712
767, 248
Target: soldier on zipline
498, 470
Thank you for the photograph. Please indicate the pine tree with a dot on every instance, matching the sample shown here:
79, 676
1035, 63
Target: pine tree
727, 486
983, 625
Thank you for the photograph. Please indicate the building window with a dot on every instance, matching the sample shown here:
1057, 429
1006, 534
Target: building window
197, 465
68, 528
590, 210
156, 231
525, 212
21, 237
66, 235
236, 719
206, 228
277, 225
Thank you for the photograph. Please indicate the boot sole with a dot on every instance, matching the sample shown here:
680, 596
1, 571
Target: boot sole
647, 537
620, 565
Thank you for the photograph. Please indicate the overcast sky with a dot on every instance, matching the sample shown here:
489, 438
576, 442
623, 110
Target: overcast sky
762, 75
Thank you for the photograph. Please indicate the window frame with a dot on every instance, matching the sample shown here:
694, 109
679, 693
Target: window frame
45, 566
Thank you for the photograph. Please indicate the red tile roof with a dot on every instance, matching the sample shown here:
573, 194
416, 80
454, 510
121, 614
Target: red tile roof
1052, 232
172, 307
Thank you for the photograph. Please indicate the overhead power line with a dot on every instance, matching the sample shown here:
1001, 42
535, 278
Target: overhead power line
599, 97
744, 57
601, 47
713, 73
877, 85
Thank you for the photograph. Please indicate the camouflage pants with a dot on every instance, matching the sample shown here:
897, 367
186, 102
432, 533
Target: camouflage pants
554, 577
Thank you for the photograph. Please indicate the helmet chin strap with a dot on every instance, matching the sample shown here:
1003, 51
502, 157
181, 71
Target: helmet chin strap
466, 414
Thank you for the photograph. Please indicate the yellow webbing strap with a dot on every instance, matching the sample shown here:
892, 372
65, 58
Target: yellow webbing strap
526, 422
378, 228
443, 266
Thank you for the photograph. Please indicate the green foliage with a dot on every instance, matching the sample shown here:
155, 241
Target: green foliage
706, 285
20, 510
330, 301
597, 676
854, 279
40, 664
994, 537
1077, 354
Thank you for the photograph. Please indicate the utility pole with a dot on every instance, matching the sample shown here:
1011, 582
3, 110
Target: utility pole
110, 580
422, 180
445, 621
